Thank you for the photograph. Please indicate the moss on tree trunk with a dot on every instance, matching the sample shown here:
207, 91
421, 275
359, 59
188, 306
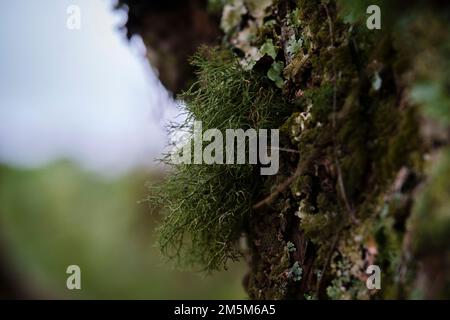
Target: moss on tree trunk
365, 181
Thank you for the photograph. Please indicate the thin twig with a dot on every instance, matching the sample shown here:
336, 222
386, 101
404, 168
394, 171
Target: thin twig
286, 150
279, 188
327, 261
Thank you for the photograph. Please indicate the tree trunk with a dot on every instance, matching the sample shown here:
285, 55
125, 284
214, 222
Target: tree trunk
364, 178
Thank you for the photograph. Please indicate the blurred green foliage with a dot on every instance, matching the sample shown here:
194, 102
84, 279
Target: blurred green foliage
59, 215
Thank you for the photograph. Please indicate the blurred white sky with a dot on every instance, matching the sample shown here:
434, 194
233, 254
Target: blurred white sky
87, 95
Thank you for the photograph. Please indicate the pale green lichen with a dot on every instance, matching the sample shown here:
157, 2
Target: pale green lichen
290, 246
232, 14
294, 46
295, 273
259, 8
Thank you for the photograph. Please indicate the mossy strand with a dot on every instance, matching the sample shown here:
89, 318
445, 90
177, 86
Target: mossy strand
206, 205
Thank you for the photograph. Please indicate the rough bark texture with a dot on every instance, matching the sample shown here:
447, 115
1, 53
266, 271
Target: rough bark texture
368, 182
172, 31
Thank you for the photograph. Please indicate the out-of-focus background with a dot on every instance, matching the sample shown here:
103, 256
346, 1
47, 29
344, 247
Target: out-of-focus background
82, 118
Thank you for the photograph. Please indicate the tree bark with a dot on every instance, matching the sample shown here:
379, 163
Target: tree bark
368, 185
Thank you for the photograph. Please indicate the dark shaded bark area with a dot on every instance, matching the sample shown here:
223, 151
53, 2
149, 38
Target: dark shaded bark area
172, 31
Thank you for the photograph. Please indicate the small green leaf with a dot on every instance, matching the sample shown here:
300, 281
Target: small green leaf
269, 49
275, 73
295, 18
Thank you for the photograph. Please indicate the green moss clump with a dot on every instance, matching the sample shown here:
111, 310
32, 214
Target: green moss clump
206, 205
